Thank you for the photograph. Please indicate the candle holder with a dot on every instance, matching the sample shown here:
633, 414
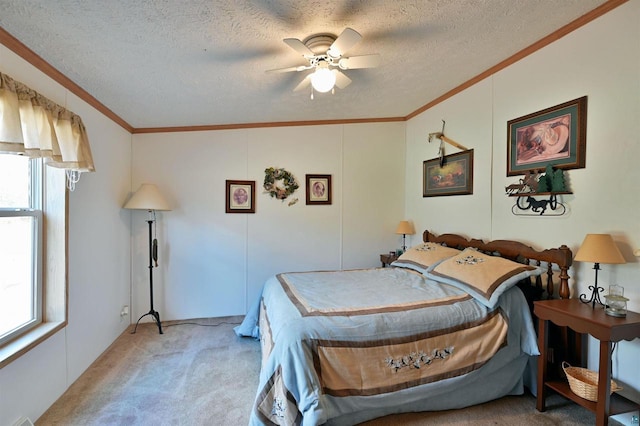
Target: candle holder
615, 302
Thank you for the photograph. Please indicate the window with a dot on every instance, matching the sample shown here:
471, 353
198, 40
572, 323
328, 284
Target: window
33, 214
21, 229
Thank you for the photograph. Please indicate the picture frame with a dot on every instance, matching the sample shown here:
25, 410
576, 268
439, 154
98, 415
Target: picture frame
455, 177
554, 136
240, 196
318, 189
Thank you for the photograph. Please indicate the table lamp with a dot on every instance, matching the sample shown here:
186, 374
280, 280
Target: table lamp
405, 228
597, 248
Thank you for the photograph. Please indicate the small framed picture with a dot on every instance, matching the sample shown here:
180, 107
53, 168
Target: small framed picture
241, 196
455, 177
318, 189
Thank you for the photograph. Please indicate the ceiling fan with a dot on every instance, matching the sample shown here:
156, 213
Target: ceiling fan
325, 54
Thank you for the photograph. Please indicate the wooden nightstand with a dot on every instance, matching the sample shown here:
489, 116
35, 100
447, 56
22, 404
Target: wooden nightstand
387, 259
582, 318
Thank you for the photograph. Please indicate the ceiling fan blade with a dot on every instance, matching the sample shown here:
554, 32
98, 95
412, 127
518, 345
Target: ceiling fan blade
342, 80
289, 69
303, 84
364, 61
345, 41
299, 47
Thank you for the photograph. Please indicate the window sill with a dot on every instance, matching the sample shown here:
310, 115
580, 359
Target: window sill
23, 344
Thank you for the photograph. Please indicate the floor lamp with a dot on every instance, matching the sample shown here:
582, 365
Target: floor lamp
147, 197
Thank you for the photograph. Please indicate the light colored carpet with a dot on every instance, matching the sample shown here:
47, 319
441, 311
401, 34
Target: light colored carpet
206, 375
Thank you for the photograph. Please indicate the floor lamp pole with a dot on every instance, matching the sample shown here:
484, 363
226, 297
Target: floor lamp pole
152, 312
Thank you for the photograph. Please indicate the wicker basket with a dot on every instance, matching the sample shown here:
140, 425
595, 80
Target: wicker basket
584, 383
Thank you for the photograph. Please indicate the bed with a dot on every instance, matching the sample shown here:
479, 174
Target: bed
448, 325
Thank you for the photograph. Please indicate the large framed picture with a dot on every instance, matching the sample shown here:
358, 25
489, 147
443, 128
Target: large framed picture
240, 196
555, 136
455, 177
318, 189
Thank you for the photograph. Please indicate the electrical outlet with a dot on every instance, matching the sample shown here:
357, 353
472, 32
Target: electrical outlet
125, 311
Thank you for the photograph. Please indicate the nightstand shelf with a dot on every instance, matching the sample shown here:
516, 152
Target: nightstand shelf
582, 318
618, 404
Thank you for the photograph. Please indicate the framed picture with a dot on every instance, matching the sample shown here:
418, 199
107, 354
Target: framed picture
455, 177
240, 196
556, 136
318, 189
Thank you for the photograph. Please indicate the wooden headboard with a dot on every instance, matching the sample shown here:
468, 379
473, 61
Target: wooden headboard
519, 252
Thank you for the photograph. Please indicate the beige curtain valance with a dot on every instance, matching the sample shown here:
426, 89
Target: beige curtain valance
33, 125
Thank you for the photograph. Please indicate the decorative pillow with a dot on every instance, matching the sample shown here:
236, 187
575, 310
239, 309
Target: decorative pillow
483, 276
424, 256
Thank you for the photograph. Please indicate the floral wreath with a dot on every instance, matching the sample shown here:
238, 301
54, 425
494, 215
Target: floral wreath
283, 191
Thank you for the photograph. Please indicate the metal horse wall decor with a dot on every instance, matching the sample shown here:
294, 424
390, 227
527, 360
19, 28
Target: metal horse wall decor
551, 185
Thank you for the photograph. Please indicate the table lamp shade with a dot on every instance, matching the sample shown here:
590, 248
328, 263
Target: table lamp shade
405, 228
599, 248
147, 197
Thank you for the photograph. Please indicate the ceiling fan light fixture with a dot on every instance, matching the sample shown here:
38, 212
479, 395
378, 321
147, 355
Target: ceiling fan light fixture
333, 54
325, 56
323, 79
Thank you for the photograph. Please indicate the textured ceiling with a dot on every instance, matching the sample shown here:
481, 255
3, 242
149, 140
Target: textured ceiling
168, 63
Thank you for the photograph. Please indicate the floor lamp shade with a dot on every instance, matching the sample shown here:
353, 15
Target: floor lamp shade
147, 197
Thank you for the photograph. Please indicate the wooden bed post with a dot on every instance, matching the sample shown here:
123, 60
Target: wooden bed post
564, 272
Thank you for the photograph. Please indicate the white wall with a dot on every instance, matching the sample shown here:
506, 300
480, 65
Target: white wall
468, 122
213, 263
99, 261
601, 61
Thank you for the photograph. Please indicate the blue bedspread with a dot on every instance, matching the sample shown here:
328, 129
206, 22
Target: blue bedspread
342, 347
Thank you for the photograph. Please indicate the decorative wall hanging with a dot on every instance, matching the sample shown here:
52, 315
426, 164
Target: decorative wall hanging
240, 196
549, 185
555, 136
443, 138
454, 177
280, 184
318, 189
531, 206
